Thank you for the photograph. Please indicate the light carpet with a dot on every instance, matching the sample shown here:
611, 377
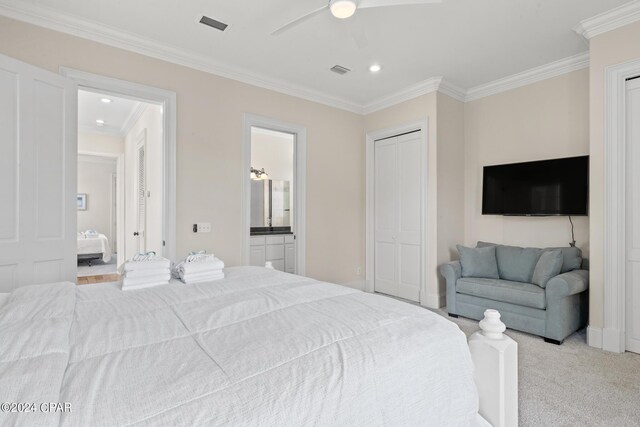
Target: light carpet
572, 384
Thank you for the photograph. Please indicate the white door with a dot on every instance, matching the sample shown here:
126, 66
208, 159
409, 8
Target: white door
141, 193
120, 210
38, 157
633, 217
397, 216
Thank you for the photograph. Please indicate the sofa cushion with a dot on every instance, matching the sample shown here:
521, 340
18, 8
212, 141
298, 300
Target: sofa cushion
571, 258
515, 263
478, 262
526, 294
549, 265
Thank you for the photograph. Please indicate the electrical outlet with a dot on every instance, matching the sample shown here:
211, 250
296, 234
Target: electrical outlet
359, 271
202, 227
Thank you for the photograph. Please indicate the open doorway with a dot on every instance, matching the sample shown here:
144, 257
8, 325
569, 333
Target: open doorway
274, 188
120, 182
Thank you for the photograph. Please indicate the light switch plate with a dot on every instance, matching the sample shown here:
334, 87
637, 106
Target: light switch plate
203, 227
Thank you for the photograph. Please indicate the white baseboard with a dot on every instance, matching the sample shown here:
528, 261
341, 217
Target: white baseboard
356, 284
433, 300
594, 336
613, 340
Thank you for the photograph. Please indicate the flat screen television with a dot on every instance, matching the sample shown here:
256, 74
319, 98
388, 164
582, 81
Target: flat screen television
542, 188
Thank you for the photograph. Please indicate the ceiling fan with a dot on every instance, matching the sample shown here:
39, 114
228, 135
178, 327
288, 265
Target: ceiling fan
343, 9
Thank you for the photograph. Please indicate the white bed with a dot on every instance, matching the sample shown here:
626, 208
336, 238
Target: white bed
258, 348
96, 247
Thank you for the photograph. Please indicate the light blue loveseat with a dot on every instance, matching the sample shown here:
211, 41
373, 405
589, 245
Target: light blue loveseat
553, 312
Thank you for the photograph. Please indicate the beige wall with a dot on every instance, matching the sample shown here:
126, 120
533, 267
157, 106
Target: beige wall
544, 120
94, 179
612, 48
148, 126
209, 141
451, 173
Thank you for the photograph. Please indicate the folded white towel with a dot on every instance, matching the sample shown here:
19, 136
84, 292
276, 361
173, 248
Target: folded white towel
91, 233
202, 278
134, 281
151, 264
149, 272
200, 266
197, 276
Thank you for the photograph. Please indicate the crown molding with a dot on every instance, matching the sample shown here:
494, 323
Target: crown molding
114, 37
533, 75
610, 20
133, 118
411, 92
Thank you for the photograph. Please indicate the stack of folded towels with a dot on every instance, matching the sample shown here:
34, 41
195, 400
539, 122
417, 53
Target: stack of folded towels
199, 267
145, 270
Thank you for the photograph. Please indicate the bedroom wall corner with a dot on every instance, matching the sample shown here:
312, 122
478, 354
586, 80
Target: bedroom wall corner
608, 49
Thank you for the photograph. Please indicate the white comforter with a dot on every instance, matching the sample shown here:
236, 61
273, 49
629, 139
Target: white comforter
95, 245
258, 348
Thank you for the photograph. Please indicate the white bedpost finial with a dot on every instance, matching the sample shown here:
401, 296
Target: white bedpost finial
492, 327
269, 264
495, 360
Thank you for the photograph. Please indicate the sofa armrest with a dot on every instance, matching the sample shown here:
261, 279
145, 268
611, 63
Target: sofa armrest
451, 271
570, 283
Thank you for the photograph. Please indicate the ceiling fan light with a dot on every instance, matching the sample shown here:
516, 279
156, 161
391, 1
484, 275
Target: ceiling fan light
343, 9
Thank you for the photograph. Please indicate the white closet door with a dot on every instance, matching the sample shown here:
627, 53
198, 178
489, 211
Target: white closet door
38, 156
397, 217
633, 217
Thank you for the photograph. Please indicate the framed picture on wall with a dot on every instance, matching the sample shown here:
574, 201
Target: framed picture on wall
82, 202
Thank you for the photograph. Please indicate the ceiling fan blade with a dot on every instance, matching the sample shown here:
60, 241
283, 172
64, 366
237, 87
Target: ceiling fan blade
362, 4
357, 32
299, 20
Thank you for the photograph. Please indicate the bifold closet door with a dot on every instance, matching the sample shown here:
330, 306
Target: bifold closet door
397, 216
38, 170
633, 217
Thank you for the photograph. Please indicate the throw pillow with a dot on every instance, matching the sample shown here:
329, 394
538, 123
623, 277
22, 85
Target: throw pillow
479, 262
549, 266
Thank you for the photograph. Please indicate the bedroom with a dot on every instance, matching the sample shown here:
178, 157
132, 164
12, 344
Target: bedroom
539, 111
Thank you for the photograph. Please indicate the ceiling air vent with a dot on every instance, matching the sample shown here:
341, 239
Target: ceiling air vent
213, 23
339, 69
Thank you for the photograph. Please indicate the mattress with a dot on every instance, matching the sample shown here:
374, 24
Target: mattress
258, 348
95, 245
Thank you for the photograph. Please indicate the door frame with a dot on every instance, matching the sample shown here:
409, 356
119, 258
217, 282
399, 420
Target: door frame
371, 138
149, 94
612, 337
141, 142
299, 177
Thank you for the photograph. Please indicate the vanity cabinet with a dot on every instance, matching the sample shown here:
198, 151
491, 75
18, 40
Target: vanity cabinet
280, 249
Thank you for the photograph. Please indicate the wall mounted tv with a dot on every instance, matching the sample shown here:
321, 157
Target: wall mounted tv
542, 188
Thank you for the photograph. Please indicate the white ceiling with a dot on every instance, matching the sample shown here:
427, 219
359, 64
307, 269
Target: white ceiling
117, 114
468, 42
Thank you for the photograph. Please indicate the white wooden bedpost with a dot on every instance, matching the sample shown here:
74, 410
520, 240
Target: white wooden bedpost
495, 358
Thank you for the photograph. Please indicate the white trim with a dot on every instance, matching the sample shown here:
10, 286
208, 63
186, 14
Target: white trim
167, 100
411, 92
133, 118
118, 38
300, 184
613, 332
111, 36
594, 336
533, 75
370, 138
610, 20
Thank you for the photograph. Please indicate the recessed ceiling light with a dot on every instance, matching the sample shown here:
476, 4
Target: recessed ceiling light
375, 68
100, 122
105, 100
